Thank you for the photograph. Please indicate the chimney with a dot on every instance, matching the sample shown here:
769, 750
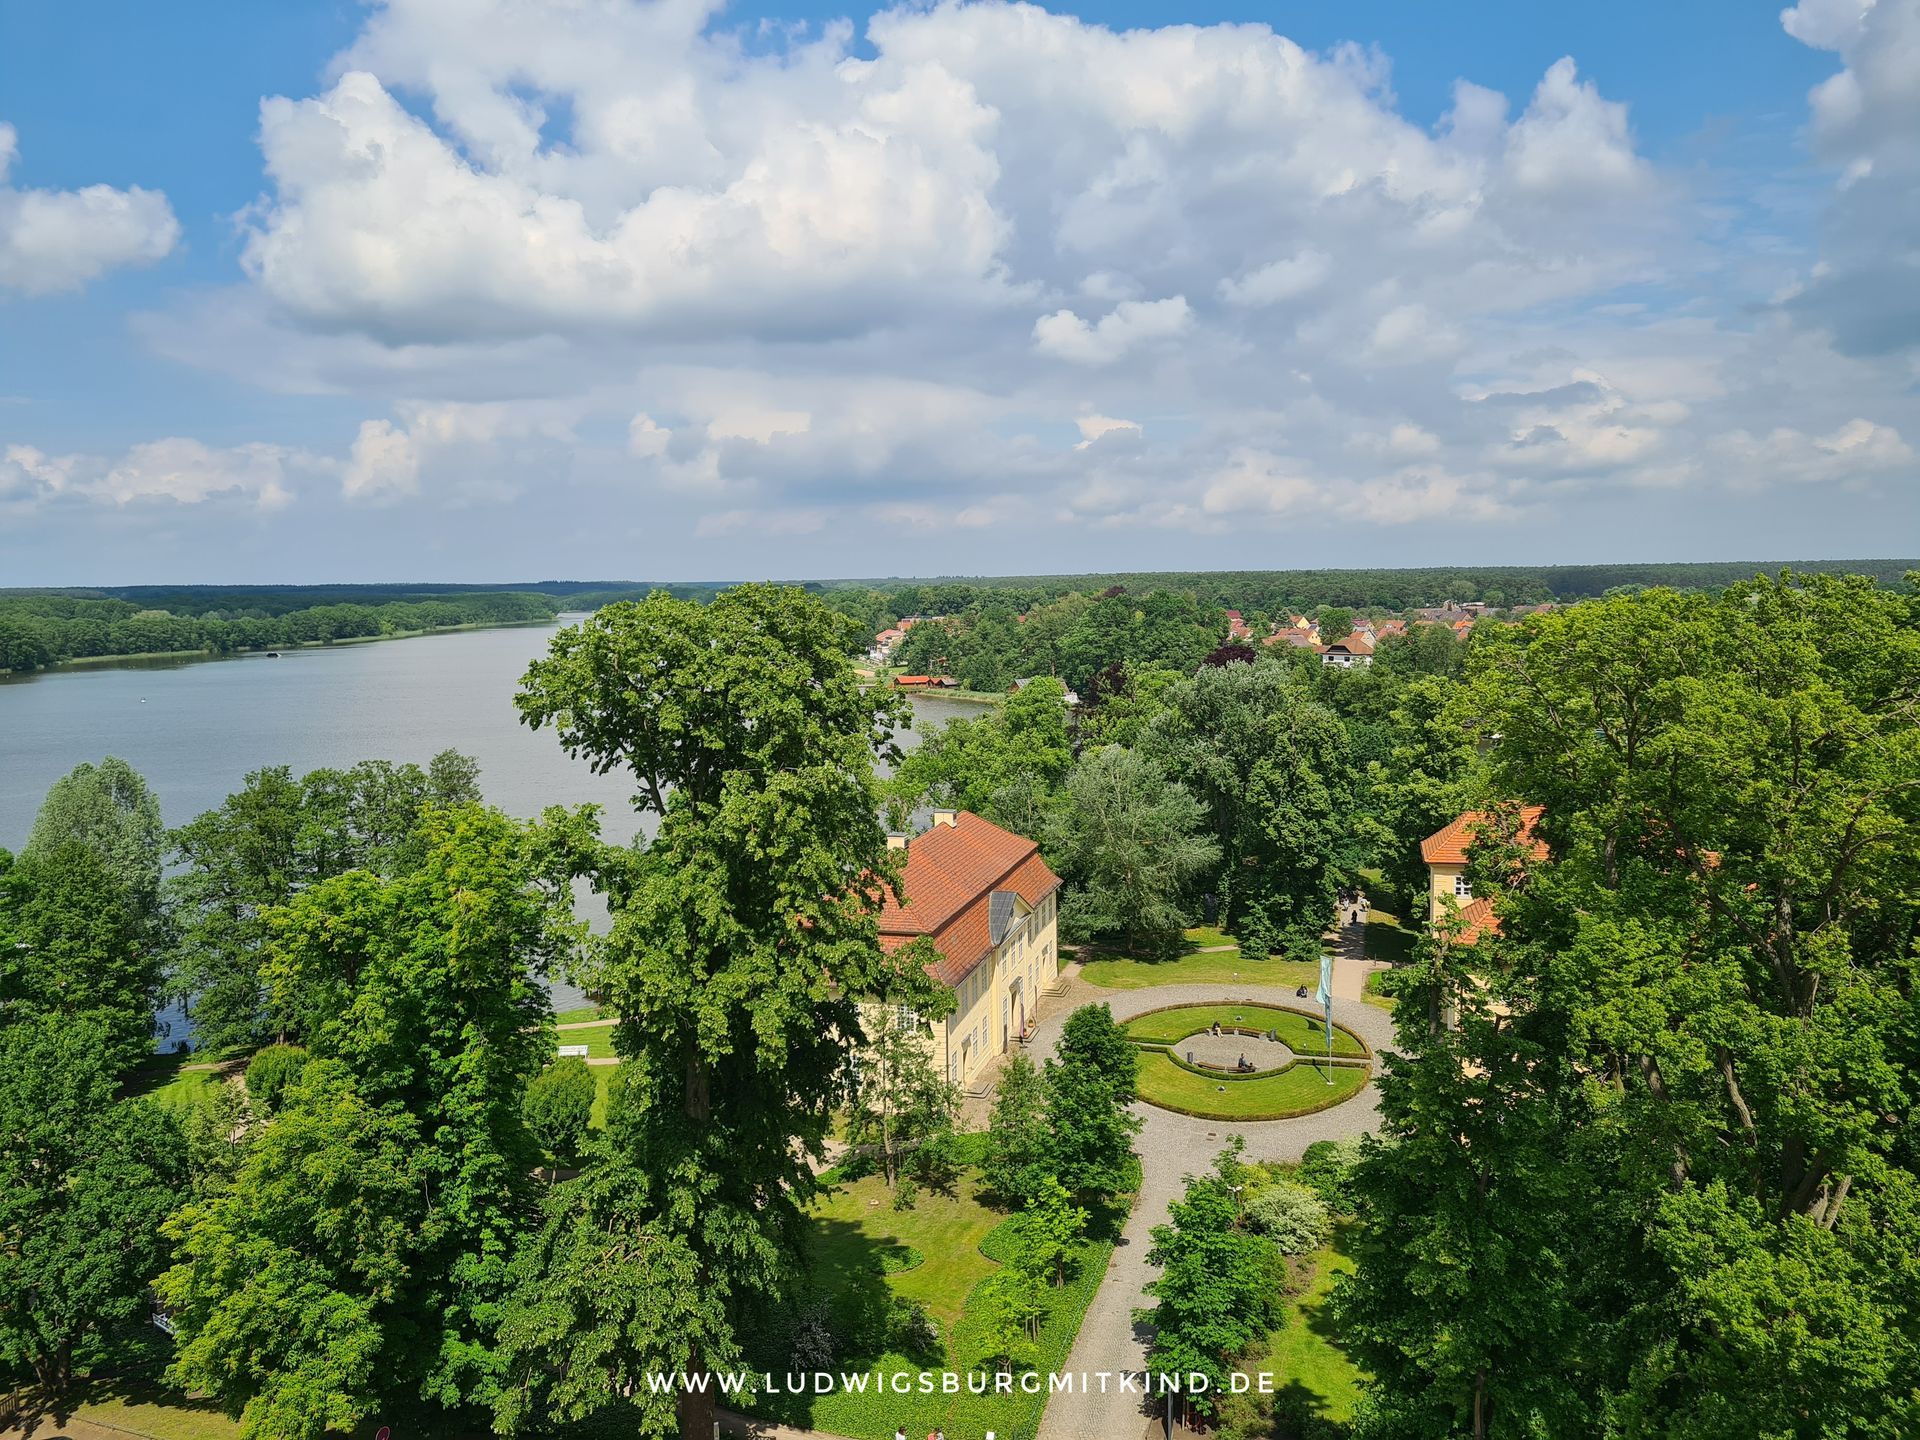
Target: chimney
896, 841
946, 817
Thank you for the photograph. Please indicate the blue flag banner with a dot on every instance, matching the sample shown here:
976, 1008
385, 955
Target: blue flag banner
1324, 995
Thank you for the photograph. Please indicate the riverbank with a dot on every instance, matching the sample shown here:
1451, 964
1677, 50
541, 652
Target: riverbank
187, 657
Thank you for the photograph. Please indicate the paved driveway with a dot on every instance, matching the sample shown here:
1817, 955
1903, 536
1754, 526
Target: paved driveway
1172, 1147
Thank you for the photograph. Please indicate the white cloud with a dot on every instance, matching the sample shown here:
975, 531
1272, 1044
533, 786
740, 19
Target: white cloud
384, 463
176, 471
1278, 281
55, 240
1854, 453
1065, 336
1098, 427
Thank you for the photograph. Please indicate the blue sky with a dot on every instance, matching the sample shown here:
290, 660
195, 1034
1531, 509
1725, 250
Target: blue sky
517, 288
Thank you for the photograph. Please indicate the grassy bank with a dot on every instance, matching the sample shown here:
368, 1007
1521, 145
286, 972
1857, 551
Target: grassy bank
96, 662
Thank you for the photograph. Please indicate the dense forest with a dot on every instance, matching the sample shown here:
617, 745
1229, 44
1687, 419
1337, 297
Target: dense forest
41, 630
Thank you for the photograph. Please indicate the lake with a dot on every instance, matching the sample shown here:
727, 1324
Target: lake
194, 728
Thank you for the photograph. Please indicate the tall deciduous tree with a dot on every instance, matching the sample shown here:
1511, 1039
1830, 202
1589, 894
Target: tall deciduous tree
272, 839
1090, 1087
1128, 839
85, 1182
1704, 1041
419, 998
1219, 1289
1272, 768
1019, 1146
743, 939
78, 949
108, 809
1007, 765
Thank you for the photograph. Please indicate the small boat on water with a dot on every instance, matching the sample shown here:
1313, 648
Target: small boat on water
273, 654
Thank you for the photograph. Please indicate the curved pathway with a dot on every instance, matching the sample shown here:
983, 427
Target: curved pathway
1172, 1147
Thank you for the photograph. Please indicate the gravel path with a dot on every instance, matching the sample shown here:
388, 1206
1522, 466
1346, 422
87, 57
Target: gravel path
1172, 1147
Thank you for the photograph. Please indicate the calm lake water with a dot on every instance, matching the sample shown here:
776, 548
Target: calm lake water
195, 728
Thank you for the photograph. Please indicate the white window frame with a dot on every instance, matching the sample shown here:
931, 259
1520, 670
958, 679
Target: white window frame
1462, 890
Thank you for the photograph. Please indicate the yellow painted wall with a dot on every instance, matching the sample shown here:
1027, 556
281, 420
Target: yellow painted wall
1441, 898
986, 1020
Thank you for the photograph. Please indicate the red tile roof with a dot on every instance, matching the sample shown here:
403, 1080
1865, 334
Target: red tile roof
1449, 846
1476, 919
949, 879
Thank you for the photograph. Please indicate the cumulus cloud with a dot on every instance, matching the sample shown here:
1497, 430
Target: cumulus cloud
55, 240
175, 471
1129, 324
783, 282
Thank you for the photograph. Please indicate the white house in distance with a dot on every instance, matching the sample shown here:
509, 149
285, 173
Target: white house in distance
990, 905
1355, 649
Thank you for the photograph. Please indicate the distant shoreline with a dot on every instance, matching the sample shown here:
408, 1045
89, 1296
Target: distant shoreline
136, 660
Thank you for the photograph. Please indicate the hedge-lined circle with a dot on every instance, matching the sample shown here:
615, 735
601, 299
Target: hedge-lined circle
1305, 1084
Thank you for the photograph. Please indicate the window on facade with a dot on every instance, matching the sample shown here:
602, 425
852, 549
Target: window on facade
905, 1017
1461, 889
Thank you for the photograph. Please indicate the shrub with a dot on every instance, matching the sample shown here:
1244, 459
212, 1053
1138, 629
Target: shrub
559, 1108
270, 1072
1291, 1216
1327, 1169
813, 1345
906, 1194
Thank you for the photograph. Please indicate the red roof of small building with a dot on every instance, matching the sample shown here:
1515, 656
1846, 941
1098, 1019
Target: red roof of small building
1354, 644
1448, 846
949, 880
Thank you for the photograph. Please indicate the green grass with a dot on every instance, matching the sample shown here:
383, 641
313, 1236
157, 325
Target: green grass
597, 1038
1303, 1357
1303, 1034
1210, 935
1301, 1088
856, 1227
1221, 967
578, 1014
1387, 939
856, 1241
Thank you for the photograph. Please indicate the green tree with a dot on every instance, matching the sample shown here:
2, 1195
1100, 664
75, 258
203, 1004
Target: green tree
1426, 780
897, 1101
270, 1072
1220, 1287
85, 1181
1693, 1033
78, 949
1125, 837
1010, 1304
420, 1000
1336, 623
559, 1108
1006, 766
743, 936
1273, 769
267, 842
1090, 1089
1042, 1237
108, 809
1019, 1144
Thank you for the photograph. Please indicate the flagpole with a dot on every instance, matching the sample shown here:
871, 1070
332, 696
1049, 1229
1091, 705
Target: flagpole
1325, 997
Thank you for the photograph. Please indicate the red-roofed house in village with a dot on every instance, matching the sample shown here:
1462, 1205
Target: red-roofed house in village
1445, 852
990, 905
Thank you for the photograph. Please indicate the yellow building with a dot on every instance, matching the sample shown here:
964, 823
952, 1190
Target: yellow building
1449, 890
990, 905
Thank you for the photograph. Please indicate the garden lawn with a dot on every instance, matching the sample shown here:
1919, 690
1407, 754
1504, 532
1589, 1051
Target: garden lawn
1303, 1355
1217, 967
1301, 1088
578, 1014
1387, 939
1303, 1034
858, 1244
597, 1038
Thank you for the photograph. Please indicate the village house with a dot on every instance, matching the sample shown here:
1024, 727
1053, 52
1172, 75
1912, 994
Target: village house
1237, 628
990, 905
1354, 650
1449, 891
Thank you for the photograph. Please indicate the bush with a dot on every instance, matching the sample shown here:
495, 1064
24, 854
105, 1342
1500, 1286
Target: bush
270, 1072
906, 1193
1327, 1169
559, 1108
1291, 1216
813, 1345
